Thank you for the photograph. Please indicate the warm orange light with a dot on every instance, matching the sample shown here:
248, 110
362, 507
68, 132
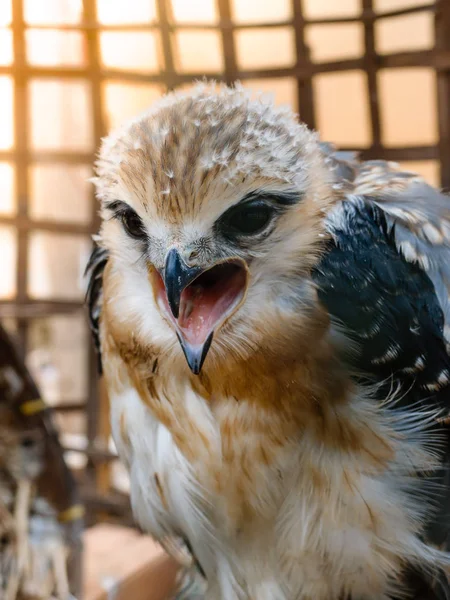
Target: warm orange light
388, 5
70, 197
56, 265
61, 115
269, 48
198, 51
134, 51
261, 11
394, 34
110, 12
42, 12
318, 9
194, 11
6, 113
125, 100
6, 47
408, 106
342, 108
7, 189
8, 252
333, 42
5, 12
52, 48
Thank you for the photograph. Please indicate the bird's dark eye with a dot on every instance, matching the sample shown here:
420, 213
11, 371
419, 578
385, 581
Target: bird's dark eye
27, 442
133, 224
249, 218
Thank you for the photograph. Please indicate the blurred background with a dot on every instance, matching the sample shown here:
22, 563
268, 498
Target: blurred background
371, 75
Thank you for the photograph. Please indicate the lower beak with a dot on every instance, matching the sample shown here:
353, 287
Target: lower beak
195, 354
199, 301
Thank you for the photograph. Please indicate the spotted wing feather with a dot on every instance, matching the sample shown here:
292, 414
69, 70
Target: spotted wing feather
417, 214
385, 282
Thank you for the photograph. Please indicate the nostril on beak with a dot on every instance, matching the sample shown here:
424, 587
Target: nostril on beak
191, 255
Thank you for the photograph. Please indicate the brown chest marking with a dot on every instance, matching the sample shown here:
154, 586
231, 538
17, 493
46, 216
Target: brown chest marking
124, 430
160, 490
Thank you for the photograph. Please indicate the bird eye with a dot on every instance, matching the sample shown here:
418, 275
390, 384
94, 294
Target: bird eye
27, 442
133, 224
249, 218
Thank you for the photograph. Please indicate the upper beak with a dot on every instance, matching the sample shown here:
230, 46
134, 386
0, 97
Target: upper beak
199, 300
177, 276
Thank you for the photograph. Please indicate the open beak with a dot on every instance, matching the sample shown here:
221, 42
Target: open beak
199, 300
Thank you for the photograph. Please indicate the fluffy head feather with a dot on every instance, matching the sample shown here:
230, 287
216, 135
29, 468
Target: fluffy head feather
180, 167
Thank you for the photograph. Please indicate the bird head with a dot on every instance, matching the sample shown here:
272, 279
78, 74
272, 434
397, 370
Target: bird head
212, 207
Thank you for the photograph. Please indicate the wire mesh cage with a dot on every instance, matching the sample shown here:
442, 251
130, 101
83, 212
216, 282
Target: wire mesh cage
371, 75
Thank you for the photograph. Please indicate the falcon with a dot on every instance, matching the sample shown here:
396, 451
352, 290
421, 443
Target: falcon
272, 318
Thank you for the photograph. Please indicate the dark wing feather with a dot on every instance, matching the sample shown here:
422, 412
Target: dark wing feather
386, 305
94, 271
385, 280
417, 214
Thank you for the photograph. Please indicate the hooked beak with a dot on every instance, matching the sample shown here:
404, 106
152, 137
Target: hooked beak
199, 300
177, 276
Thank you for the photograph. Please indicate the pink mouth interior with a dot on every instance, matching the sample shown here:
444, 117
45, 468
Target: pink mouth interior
208, 300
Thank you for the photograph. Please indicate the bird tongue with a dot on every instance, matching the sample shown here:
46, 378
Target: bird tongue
208, 300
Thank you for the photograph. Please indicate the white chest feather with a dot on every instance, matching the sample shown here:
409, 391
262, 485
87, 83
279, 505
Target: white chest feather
311, 522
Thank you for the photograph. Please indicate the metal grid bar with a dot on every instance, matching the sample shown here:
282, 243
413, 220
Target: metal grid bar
21, 164
94, 74
367, 14
304, 82
70, 407
163, 10
33, 309
81, 158
371, 63
23, 223
228, 46
45, 156
442, 27
437, 58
